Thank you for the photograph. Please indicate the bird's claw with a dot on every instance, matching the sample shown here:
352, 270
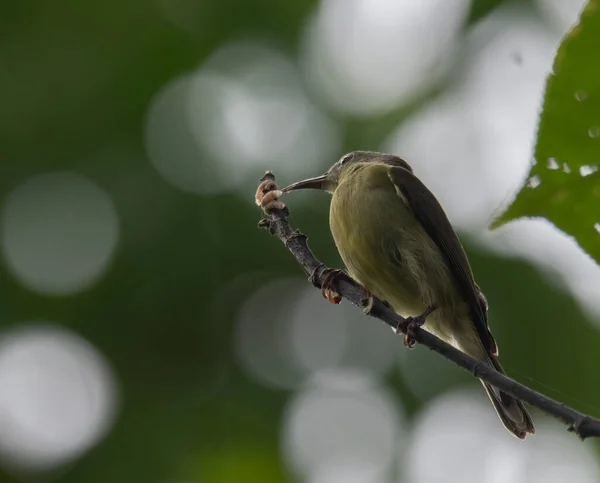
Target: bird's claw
368, 301
328, 290
412, 325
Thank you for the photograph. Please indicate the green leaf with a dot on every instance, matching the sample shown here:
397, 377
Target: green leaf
563, 185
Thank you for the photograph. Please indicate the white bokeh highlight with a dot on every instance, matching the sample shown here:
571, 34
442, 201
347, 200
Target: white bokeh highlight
170, 143
59, 232
462, 434
349, 472
57, 397
557, 254
366, 57
260, 334
341, 422
475, 141
287, 333
560, 13
323, 335
243, 110
317, 334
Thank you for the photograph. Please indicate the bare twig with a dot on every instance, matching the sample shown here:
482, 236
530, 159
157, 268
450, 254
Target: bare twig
276, 222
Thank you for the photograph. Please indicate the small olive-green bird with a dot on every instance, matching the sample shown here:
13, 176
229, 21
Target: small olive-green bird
396, 240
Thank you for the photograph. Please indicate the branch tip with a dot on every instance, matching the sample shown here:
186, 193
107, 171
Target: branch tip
265, 223
268, 176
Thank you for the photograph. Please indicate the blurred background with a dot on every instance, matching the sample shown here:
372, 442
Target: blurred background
149, 332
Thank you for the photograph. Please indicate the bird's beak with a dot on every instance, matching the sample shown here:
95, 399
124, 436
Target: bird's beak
317, 183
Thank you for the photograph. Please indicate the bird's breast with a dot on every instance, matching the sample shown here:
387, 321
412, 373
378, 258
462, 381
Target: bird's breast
383, 245
371, 227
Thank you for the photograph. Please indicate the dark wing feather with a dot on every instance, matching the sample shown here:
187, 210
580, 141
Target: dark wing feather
431, 215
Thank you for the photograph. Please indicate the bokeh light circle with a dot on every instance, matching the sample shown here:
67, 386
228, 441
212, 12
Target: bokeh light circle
470, 446
322, 335
366, 57
260, 334
484, 125
287, 333
171, 146
317, 335
244, 109
59, 232
560, 13
331, 424
57, 397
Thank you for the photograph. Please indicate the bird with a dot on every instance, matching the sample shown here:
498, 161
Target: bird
395, 239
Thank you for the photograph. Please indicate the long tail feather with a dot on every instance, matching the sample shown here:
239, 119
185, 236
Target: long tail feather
511, 411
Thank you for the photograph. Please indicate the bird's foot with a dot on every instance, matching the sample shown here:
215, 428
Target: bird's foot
328, 290
368, 301
414, 323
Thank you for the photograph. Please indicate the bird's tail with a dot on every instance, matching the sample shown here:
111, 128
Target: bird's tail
511, 411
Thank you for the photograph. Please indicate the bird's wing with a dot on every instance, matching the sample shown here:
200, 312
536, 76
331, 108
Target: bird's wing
431, 215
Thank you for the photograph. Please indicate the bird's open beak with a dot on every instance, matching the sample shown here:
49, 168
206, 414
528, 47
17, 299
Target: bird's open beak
317, 183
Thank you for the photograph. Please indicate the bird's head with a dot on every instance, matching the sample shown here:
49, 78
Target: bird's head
346, 166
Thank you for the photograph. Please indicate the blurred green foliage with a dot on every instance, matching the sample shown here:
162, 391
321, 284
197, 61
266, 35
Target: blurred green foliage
77, 79
563, 184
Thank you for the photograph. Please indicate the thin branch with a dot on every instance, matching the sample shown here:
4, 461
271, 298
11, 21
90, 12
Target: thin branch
276, 222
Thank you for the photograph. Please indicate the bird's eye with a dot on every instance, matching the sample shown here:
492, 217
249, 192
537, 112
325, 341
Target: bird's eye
345, 159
